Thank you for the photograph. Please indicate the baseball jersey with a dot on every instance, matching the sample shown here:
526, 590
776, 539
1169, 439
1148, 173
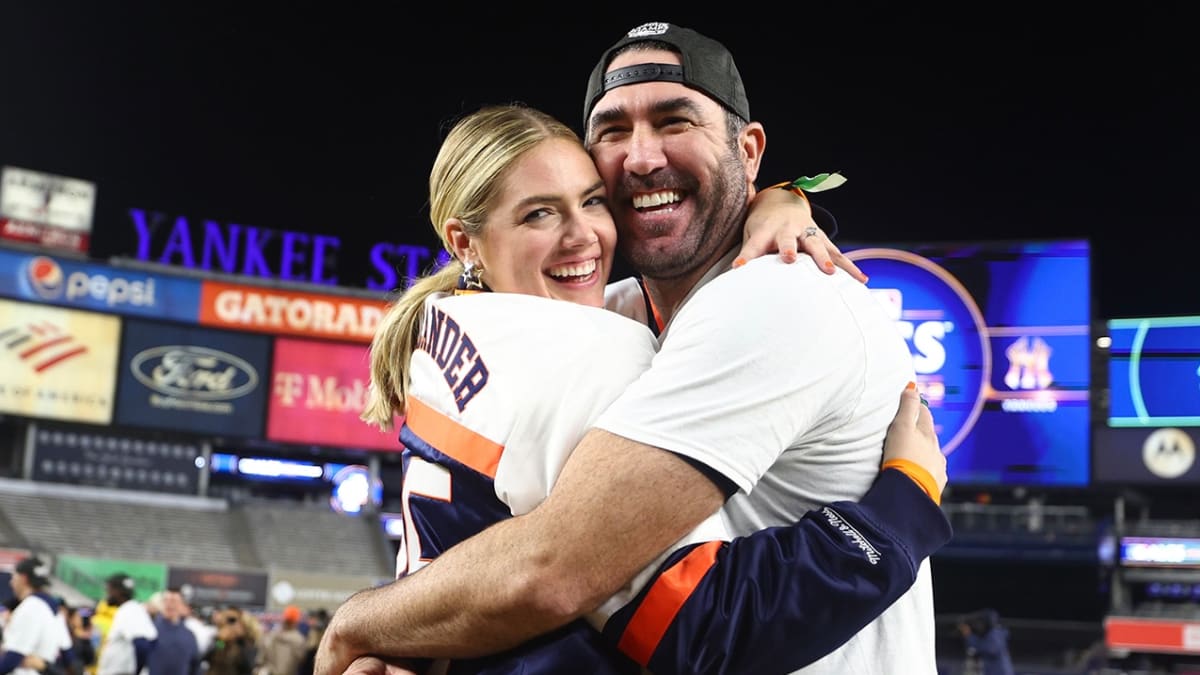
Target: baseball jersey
503, 387
34, 627
785, 379
117, 655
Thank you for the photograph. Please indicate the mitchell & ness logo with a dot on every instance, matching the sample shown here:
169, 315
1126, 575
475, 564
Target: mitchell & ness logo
42, 345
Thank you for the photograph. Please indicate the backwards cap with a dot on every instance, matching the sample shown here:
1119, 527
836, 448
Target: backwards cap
37, 571
707, 67
122, 582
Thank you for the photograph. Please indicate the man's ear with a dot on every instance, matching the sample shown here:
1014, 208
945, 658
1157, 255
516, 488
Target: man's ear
753, 142
457, 239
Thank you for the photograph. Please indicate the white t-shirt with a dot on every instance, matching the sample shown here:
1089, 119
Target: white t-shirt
784, 379
33, 628
130, 622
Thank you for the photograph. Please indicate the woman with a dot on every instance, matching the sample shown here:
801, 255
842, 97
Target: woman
497, 383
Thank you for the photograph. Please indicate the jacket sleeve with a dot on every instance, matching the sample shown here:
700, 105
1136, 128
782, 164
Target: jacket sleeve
783, 597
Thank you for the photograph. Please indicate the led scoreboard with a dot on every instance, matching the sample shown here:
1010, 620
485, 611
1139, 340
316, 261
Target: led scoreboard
1000, 334
1154, 372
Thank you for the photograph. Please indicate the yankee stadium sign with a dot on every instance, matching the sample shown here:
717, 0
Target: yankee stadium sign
275, 254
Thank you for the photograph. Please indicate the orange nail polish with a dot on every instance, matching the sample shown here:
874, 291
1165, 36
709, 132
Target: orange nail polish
911, 385
829, 265
739, 262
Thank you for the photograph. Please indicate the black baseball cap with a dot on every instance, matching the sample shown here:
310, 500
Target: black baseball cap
707, 67
121, 581
37, 571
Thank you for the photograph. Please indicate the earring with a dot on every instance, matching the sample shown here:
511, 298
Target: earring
469, 281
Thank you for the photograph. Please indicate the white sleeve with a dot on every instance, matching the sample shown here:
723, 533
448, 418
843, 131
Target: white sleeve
21, 631
716, 391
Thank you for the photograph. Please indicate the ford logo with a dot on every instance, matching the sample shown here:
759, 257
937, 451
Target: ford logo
193, 372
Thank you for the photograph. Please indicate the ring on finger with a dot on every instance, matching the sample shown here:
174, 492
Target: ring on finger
811, 232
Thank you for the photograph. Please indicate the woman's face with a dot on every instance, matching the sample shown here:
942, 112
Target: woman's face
550, 233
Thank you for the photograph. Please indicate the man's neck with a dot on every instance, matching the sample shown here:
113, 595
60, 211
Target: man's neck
669, 295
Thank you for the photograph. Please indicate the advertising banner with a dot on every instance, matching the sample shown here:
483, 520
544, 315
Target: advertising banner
283, 312
46, 210
88, 575
310, 591
213, 588
188, 378
1164, 456
57, 363
105, 459
318, 390
42, 279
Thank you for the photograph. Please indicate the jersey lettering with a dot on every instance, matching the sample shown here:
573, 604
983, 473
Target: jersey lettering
455, 353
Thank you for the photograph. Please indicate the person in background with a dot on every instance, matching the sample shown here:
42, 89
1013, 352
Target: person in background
986, 641
34, 635
83, 649
318, 620
203, 631
131, 634
284, 647
175, 651
102, 617
234, 650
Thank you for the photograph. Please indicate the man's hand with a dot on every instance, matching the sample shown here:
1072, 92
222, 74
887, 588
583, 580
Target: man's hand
912, 436
369, 665
781, 222
335, 657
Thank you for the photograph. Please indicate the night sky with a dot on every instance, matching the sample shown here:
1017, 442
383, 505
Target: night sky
989, 122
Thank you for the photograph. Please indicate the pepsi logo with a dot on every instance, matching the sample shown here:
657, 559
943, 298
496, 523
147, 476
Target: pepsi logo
45, 277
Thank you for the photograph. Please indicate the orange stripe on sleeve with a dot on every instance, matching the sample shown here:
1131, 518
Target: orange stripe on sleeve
664, 600
453, 439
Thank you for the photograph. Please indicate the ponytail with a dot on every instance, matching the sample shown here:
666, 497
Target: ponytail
393, 345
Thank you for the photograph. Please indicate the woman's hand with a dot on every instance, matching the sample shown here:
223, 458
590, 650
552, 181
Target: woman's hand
782, 222
912, 437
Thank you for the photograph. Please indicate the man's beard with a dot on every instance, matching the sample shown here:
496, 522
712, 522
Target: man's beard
719, 211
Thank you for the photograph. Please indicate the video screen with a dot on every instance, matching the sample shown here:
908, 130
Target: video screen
1000, 333
1154, 372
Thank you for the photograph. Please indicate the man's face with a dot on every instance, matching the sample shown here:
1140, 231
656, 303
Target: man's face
19, 585
172, 606
678, 185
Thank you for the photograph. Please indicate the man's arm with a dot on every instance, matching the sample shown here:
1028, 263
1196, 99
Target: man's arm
783, 597
536, 572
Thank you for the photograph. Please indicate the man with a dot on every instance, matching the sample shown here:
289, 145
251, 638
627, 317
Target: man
128, 640
175, 651
284, 647
774, 384
34, 635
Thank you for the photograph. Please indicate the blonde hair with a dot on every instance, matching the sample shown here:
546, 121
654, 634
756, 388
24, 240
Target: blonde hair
464, 183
